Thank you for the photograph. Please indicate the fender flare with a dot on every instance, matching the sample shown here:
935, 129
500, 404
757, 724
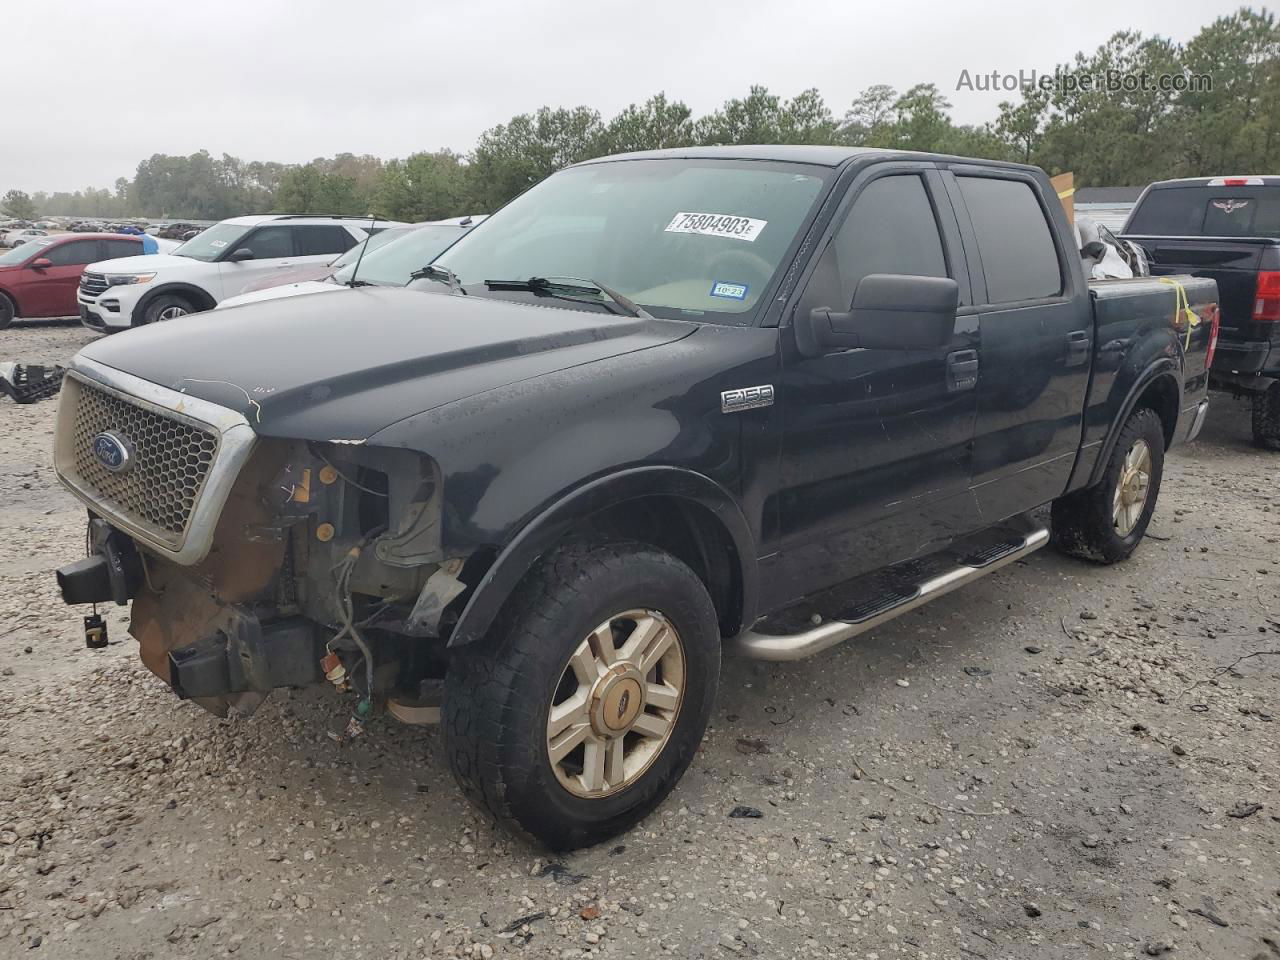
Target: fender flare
1162, 368
549, 526
189, 289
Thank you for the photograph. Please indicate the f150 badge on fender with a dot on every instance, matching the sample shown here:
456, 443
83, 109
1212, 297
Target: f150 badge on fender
746, 398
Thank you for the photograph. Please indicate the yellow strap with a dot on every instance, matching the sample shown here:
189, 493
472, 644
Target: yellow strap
1182, 307
1062, 195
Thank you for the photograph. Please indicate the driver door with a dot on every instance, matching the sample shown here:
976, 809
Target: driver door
273, 251
52, 289
877, 444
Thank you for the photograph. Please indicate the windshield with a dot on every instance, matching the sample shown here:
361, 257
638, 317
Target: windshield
368, 245
21, 253
391, 264
682, 238
1208, 212
213, 243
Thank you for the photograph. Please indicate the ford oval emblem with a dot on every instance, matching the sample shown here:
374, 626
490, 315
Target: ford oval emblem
112, 451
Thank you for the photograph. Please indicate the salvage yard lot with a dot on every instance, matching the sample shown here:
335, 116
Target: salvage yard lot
1063, 760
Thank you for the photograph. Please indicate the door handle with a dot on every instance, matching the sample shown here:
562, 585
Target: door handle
1077, 347
962, 370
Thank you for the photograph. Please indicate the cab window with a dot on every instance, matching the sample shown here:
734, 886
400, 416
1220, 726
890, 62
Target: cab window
891, 228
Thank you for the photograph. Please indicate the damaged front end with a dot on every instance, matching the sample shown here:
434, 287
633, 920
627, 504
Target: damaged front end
255, 563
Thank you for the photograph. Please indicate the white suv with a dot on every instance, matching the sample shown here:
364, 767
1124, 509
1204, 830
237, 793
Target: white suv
216, 264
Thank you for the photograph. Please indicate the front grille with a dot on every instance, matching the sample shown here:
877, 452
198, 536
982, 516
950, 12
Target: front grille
171, 459
93, 284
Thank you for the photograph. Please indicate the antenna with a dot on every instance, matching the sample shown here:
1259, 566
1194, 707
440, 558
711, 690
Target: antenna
373, 219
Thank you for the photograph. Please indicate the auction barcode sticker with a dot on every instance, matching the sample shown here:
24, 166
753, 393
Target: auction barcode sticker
717, 225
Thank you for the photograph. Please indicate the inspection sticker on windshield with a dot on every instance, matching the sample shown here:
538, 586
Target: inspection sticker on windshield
729, 291
717, 225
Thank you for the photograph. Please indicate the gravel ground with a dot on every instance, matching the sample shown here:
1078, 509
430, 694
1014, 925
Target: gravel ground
1061, 761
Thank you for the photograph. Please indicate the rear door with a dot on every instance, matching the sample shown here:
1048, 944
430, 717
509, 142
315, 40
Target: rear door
321, 243
875, 462
116, 248
1036, 338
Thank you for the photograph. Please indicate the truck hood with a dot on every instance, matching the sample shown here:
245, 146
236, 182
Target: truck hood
344, 366
283, 290
147, 263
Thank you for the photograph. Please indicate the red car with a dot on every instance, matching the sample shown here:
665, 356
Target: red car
39, 278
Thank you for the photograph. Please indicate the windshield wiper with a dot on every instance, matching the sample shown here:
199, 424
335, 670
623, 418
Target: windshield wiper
438, 271
572, 285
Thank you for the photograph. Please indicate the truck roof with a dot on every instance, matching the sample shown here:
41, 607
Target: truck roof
1230, 180
826, 156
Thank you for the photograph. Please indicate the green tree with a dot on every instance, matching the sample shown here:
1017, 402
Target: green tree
920, 119
1021, 125
762, 117
425, 186
656, 124
1121, 136
513, 156
868, 120
1234, 127
18, 205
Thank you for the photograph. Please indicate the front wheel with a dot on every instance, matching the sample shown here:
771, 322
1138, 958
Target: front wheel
583, 707
1106, 522
7, 311
1266, 417
167, 306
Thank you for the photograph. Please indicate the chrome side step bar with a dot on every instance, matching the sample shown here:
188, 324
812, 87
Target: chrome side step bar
797, 646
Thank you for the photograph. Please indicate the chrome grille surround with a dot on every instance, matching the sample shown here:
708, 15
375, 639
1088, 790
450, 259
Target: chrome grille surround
188, 454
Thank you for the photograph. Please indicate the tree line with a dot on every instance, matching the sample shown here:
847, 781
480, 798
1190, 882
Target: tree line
1108, 135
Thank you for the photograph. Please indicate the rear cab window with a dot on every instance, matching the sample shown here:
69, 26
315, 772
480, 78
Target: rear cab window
1015, 239
1208, 211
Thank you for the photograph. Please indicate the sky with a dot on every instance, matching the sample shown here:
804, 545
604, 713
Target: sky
92, 88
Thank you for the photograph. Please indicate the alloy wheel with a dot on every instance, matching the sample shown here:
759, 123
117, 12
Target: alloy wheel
1130, 497
616, 703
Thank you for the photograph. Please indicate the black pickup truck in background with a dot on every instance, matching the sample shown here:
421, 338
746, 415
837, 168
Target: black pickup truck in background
1227, 229
760, 398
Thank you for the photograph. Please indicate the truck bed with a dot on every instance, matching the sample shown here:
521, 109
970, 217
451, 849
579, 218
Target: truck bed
1152, 301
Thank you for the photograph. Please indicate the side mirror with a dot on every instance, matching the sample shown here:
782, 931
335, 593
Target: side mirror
238, 256
889, 312
41, 263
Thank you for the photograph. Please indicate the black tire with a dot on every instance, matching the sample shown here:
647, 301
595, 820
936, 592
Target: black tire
166, 303
1083, 522
1266, 417
499, 690
8, 312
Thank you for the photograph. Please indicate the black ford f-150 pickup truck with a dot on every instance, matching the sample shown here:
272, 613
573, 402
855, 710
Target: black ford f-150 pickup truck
660, 404
1227, 229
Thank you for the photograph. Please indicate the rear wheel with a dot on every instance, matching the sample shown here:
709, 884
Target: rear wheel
7, 311
1106, 522
1266, 417
583, 707
167, 306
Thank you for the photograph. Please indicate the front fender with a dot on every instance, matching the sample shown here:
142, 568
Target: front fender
549, 528
199, 296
